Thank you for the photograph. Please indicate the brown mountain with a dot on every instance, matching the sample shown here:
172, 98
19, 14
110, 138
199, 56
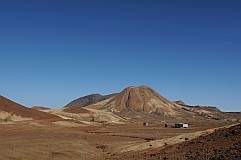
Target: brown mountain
16, 109
88, 100
141, 99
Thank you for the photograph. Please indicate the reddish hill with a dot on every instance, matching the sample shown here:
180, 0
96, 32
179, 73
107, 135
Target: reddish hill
20, 110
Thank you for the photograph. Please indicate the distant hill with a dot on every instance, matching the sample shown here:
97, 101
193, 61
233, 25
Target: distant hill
210, 112
39, 108
210, 108
88, 100
15, 109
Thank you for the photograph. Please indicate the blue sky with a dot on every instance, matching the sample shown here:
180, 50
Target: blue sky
53, 51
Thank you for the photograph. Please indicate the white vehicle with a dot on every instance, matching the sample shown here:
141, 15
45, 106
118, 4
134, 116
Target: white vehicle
181, 125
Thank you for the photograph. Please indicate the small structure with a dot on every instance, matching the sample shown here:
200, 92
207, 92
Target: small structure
181, 125
145, 124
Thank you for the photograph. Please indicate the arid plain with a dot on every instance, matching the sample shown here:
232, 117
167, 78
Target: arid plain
136, 123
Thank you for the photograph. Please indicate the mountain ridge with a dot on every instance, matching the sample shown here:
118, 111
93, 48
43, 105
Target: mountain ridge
88, 100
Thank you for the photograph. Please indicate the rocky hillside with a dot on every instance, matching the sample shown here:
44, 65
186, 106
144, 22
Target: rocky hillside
222, 144
88, 100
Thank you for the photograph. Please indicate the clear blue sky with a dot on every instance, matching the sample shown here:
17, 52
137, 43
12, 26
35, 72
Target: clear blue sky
53, 51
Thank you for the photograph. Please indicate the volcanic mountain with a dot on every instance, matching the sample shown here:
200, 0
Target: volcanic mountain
144, 103
14, 109
88, 100
141, 99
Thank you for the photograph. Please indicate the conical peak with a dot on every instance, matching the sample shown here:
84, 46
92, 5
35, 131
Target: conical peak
140, 99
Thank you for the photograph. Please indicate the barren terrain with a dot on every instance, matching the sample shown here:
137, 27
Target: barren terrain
46, 140
136, 124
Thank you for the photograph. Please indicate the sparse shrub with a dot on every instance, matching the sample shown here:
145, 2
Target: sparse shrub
100, 146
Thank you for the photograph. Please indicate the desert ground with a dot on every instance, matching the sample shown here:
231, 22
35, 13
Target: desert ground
60, 141
136, 123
